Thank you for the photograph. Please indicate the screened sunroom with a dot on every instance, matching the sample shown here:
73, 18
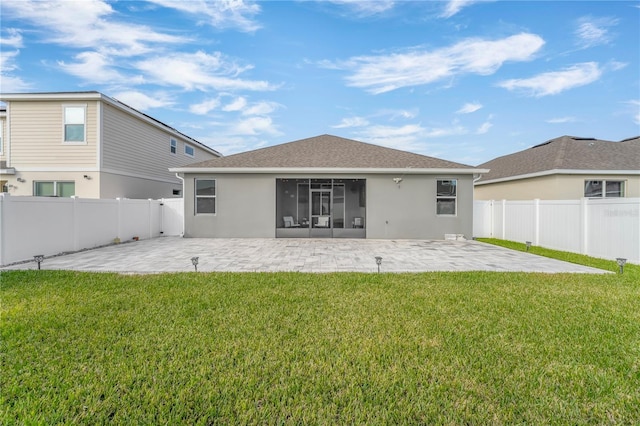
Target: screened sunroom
320, 208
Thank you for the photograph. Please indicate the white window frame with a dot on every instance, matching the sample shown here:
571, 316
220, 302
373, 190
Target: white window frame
196, 197
447, 197
193, 154
623, 188
173, 146
55, 186
64, 124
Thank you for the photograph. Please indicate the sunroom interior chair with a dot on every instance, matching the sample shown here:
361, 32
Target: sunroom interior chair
323, 222
358, 222
290, 223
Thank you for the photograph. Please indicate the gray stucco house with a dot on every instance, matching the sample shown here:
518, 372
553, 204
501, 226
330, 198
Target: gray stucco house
328, 187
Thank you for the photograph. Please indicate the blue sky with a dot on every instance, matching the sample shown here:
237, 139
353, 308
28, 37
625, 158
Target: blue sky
465, 81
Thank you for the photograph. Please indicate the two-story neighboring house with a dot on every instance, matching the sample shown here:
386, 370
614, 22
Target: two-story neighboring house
564, 168
89, 145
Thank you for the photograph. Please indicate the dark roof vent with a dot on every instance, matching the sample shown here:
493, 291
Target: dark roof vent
582, 139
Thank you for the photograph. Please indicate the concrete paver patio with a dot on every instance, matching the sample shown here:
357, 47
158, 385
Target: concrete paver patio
173, 254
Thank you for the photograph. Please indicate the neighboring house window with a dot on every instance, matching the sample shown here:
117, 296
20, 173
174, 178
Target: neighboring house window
54, 189
188, 150
74, 123
446, 197
176, 192
174, 146
205, 196
604, 188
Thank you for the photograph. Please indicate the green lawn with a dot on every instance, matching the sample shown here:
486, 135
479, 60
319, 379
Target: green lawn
291, 348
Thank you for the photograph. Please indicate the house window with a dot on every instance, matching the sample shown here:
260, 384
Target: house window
446, 197
176, 192
74, 123
604, 188
173, 145
189, 151
54, 189
205, 196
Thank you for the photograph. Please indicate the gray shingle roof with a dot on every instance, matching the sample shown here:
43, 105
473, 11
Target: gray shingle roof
566, 153
328, 151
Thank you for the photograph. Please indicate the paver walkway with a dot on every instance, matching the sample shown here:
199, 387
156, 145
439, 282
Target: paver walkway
173, 254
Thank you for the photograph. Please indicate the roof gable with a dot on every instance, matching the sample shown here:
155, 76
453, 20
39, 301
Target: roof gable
327, 151
566, 153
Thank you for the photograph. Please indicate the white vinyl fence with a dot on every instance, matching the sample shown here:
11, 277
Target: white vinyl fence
42, 225
605, 228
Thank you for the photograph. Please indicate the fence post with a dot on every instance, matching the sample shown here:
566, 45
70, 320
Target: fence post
150, 211
76, 224
119, 218
504, 219
536, 214
584, 226
4, 199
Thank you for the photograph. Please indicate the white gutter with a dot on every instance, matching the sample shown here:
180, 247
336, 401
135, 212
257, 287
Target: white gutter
561, 172
323, 170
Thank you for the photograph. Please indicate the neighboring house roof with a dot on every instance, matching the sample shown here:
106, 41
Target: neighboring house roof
565, 155
93, 95
325, 153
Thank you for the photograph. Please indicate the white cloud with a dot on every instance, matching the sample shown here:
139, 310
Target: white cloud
384, 73
560, 120
236, 105
454, 6
142, 101
484, 128
12, 39
9, 82
199, 71
222, 14
468, 108
254, 126
203, 108
552, 83
87, 24
92, 66
261, 108
636, 108
594, 31
366, 8
351, 122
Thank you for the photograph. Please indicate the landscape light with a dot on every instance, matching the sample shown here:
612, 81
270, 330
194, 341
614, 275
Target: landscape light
378, 262
621, 262
194, 260
528, 244
38, 258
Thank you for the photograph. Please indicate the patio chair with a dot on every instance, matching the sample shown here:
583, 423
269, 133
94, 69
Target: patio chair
323, 222
290, 223
358, 222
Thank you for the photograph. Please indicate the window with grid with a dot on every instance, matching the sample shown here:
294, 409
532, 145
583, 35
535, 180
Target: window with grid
205, 196
446, 197
74, 123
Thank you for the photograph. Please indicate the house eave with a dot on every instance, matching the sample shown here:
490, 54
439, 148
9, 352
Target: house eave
560, 172
325, 170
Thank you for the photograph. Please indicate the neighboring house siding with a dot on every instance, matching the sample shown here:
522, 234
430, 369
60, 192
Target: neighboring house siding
39, 143
136, 148
3, 141
554, 187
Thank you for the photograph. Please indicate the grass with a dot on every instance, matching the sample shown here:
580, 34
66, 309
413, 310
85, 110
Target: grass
581, 259
291, 348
